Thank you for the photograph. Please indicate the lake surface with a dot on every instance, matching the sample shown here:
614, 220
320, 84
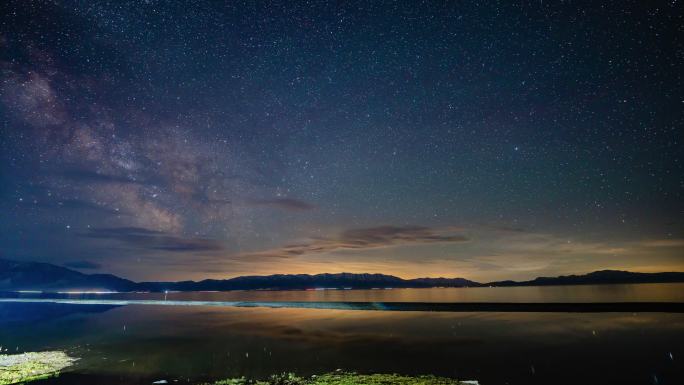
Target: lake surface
139, 344
661, 292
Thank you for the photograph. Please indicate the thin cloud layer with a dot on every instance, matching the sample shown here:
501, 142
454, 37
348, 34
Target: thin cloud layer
77, 205
154, 240
289, 204
365, 238
90, 176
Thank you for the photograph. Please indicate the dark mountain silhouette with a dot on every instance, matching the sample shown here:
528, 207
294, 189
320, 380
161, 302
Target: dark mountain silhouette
16, 275
47, 277
305, 281
597, 278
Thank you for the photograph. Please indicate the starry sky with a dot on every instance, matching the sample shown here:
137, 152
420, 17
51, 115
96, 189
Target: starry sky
493, 140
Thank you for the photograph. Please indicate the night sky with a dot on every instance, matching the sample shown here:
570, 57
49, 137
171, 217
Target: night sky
188, 140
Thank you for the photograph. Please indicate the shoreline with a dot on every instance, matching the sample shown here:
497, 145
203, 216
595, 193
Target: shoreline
527, 307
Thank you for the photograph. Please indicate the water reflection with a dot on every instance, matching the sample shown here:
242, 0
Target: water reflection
33, 312
673, 292
140, 343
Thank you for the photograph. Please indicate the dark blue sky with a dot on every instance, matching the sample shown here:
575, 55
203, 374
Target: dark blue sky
488, 140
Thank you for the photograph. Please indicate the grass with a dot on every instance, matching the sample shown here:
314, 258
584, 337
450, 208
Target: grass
25, 367
344, 378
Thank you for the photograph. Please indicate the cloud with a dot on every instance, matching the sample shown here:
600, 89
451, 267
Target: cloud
366, 238
84, 265
78, 204
153, 240
389, 235
289, 204
676, 242
90, 176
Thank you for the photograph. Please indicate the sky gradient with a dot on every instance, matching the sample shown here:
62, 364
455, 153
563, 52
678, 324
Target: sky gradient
165, 141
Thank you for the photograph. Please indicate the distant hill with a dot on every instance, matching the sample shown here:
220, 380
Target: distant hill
597, 278
16, 275
47, 277
306, 281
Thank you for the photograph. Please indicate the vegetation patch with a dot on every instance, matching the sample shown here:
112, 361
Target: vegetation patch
344, 378
25, 367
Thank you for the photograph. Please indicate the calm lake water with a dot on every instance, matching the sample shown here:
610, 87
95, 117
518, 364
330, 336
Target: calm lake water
662, 292
138, 344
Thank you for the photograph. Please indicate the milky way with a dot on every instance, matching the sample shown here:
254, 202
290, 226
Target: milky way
160, 140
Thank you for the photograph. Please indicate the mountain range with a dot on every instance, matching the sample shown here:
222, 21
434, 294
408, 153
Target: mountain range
15, 275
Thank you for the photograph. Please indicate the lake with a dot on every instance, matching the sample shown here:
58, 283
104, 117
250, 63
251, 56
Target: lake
139, 344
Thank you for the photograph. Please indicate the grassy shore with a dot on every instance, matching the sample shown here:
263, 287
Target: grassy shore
25, 367
344, 378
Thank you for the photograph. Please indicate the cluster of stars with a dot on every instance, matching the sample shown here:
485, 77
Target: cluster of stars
255, 126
